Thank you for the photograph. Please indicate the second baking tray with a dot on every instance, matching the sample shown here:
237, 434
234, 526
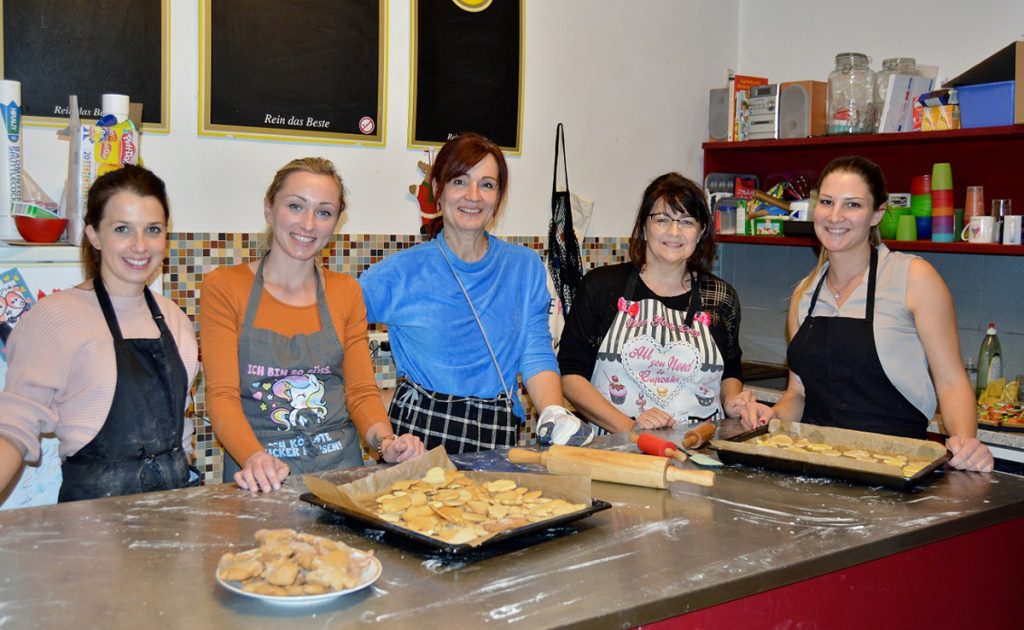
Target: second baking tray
781, 460
596, 505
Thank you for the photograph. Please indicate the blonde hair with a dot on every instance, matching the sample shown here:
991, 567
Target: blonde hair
314, 165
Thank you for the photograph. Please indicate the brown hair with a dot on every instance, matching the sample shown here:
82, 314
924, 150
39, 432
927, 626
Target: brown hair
457, 157
128, 178
314, 165
872, 175
683, 196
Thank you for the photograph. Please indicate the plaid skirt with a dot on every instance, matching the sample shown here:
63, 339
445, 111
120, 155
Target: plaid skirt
462, 424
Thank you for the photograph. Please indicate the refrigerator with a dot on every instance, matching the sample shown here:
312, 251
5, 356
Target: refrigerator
36, 270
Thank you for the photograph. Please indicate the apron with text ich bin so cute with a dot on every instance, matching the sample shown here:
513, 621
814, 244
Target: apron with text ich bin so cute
293, 392
656, 357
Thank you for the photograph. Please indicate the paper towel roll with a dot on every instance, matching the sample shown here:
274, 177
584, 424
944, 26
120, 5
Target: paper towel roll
116, 105
10, 150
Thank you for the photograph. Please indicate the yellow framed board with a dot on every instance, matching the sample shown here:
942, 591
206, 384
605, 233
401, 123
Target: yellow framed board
298, 70
467, 71
57, 48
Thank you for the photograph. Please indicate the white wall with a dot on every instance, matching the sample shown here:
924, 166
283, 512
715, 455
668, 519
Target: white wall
629, 80
795, 40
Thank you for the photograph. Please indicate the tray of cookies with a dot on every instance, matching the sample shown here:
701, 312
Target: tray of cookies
428, 501
806, 449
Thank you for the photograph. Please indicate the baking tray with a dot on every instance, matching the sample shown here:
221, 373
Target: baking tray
1003, 428
596, 505
783, 463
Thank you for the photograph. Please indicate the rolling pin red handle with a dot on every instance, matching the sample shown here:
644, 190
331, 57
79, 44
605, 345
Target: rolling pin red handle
653, 445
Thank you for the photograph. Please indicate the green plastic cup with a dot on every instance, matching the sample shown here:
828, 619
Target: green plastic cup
942, 176
906, 229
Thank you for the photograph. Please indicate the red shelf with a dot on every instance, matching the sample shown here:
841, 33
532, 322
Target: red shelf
860, 140
907, 246
990, 157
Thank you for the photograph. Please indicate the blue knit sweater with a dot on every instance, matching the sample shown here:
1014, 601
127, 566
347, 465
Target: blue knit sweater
435, 339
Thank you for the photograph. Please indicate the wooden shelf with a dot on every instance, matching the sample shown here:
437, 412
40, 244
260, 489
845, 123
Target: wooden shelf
906, 246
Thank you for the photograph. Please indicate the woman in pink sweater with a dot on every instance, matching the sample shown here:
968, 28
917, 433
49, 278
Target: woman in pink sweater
106, 365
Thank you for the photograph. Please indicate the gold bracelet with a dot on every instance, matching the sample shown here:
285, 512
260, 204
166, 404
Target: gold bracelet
380, 444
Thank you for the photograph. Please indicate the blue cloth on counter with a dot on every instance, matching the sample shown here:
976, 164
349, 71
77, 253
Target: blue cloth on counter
434, 338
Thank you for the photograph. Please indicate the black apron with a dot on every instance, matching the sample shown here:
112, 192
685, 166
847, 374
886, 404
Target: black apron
138, 448
844, 383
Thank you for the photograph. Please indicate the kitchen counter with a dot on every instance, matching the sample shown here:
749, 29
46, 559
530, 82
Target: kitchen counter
149, 560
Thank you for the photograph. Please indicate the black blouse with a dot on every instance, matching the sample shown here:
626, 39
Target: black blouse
596, 304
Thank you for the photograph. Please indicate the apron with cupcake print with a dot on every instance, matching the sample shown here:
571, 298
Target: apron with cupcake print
656, 357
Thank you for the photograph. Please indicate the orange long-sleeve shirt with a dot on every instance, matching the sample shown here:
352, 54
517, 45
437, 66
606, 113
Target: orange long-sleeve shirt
223, 297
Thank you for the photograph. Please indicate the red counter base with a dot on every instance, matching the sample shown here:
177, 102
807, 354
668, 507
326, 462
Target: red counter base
975, 580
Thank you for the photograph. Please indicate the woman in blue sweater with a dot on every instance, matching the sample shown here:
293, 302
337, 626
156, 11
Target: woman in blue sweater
467, 313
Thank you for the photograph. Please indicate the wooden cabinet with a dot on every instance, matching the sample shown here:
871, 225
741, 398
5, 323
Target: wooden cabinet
992, 157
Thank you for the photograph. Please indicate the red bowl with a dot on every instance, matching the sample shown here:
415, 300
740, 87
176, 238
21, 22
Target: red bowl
36, 230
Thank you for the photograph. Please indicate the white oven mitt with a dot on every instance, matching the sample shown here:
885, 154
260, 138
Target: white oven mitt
557, 426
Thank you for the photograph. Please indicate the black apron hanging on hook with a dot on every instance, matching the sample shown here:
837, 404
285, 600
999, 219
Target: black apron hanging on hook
564, 259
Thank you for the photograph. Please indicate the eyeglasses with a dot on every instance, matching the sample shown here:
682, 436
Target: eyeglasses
663, 222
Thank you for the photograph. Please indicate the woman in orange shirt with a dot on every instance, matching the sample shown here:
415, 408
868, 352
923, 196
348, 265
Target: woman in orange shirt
289, 379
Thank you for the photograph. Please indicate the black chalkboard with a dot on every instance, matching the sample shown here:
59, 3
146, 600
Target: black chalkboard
468, 70
305, 69
57, 48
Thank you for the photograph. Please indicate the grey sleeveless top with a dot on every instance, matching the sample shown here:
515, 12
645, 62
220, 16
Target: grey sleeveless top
899, 346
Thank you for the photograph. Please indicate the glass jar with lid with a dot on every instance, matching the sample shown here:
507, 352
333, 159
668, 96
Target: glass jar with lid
851, 95
895, 65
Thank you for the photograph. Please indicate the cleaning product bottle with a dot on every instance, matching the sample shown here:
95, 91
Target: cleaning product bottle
990, 360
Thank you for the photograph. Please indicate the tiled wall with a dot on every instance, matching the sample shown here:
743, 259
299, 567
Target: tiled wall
191, 255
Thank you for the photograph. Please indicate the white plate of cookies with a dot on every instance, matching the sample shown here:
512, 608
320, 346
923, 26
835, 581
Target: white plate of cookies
293, 568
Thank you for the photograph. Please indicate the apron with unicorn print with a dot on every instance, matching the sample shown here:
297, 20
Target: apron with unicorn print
656, 357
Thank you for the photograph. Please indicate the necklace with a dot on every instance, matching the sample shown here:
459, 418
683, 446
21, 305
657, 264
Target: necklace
838, 292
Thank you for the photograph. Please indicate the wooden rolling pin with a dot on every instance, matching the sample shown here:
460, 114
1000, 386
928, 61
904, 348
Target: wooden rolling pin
699, 435
654, 445
616, 467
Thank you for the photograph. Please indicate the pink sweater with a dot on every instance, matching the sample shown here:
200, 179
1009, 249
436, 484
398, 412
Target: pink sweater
61, 367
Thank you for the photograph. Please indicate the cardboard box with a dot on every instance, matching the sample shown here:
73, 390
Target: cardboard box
940, 117
1007, 65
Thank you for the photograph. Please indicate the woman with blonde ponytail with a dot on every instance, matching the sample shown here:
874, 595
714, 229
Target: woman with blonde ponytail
874, 341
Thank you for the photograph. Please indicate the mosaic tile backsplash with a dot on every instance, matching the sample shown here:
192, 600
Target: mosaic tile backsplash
192, 254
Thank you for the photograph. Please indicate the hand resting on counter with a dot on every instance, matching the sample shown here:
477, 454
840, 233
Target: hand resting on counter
262, 473
654, 419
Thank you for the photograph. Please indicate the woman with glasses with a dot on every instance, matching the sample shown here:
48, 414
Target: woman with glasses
655, 341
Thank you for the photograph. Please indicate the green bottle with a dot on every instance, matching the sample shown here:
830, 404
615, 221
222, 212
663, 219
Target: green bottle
990, 360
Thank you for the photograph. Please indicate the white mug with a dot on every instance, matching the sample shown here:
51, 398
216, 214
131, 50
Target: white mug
981, 229
1011, 229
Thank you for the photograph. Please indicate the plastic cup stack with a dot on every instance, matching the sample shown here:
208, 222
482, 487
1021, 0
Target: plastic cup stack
942, 203
921, 205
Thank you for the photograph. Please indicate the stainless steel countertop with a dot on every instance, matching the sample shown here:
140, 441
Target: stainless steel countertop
148, 560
